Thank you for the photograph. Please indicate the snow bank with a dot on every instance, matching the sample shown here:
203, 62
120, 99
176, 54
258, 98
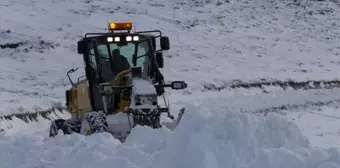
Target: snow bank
232, 140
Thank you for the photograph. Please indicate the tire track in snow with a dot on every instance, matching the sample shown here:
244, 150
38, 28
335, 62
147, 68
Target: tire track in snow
290, 107
296, 85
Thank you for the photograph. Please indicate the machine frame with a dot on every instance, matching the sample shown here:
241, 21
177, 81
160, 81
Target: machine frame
82, 99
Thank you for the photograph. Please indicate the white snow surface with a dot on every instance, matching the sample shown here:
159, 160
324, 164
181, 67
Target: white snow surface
320, 124
213, 43
232, 140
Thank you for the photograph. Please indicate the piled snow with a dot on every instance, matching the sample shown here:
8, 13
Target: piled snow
213, 43
233, 140
320, 124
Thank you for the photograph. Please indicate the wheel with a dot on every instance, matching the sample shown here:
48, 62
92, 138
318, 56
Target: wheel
67, 126
96, 121
55, 126
71, 126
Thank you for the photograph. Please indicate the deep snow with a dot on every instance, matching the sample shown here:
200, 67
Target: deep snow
232, 140
213, 43
320, 124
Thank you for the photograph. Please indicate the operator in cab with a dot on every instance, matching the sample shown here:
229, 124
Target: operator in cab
120, 63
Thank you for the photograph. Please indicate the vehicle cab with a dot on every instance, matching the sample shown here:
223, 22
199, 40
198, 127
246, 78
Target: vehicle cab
138, 48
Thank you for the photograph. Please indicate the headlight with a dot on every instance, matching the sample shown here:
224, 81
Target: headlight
135, 38
109, 39
128, 38
105, 88
179, 85
146, 99
117, 39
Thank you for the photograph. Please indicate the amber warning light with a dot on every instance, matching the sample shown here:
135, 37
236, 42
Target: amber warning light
120, 26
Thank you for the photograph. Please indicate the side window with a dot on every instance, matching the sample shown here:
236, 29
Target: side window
142, 50
92, 58
102, 51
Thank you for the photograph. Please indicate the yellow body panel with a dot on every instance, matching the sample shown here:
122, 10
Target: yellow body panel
84, 103
123, 104
72, 102
79, 102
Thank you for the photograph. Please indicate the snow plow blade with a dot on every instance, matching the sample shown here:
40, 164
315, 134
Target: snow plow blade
173, 125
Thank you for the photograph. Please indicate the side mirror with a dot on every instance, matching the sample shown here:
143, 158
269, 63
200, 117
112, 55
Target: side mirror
68, 75
165, 43
160, 60
81, 47
178, 85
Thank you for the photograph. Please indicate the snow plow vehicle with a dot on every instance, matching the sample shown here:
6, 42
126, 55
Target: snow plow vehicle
122, 85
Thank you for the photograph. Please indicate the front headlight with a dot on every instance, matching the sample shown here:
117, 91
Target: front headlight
109, 39
146, 100
135, 38
105, 88
128, 38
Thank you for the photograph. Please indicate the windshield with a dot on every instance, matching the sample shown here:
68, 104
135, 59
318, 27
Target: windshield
126, 51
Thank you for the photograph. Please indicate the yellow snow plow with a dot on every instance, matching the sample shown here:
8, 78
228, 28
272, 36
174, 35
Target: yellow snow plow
122, 85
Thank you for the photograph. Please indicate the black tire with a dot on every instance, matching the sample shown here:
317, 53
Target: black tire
67, 126
97, 122
55, 126
71, 126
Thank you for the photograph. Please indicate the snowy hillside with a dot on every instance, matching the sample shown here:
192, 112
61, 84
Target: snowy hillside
214, 44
